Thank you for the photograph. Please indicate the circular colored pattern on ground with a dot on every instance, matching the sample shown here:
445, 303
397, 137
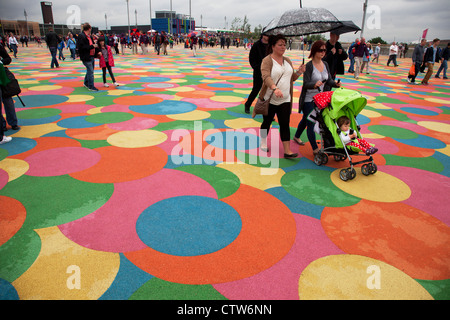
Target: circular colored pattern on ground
188, 226
159, 188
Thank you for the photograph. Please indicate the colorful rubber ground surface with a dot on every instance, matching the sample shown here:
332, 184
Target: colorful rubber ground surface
131, 192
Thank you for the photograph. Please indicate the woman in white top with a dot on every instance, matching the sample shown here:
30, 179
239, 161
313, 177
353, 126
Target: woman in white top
278, 77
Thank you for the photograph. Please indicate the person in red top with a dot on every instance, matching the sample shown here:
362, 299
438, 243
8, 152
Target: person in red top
106, 60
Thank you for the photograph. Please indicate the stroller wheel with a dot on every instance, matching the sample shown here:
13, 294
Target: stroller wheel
324, 158
351, 173
343, 175
338, 158
373, 168
366, 170
318, 159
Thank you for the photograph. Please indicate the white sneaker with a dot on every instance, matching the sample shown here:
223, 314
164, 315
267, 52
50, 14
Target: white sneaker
116, 84
106, 85
5, 139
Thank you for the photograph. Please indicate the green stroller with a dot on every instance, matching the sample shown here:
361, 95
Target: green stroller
344, 102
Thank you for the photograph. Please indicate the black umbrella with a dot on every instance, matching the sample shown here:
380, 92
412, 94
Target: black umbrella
347, 26
303, 21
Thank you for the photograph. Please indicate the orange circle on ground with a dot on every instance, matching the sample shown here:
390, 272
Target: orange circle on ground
12, 217
94, 133
396, 233
123, 164
267, 234
46, 143
137, 100
196, 94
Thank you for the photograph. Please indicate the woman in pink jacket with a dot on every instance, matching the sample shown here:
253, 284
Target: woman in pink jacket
106, 61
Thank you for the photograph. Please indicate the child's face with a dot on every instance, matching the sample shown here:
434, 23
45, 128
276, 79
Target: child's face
345, 127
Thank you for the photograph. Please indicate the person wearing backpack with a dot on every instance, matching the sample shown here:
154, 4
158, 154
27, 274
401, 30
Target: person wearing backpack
7, 102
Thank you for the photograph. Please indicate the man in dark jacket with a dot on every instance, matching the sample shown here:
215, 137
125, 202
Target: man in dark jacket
53, 40
444, 64
417, 59
8, 102
257, 53
335, 55
88, 49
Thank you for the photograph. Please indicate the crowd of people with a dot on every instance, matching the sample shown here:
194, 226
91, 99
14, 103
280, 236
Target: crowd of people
327, 61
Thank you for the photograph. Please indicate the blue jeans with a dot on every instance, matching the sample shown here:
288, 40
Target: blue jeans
352, 65
444, 66
10, 111
308, 107
54, 62
89, 78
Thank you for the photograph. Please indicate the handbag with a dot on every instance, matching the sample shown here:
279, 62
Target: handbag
412, 70
262, 106
12, 88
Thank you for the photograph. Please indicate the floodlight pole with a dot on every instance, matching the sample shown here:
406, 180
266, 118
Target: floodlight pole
364, 17
128, 13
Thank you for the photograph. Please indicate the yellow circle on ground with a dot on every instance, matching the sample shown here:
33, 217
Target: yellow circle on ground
119, 92
79, 98
95, 110
381, 106
445, 151
181, 89
137, 139
435, 126
380, 186
227, 99
436, 100
66, 270
190, 116
37, 130
241, 123
15, 168
29, 82
45, 88
371, 114
260, 178
176, 81
353, 277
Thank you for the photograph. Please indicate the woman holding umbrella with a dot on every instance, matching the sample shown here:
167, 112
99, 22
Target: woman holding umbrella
317, 78
278, 78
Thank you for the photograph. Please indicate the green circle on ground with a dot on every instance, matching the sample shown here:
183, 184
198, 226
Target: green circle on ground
393, 132
38, 113
315, 186
109, 117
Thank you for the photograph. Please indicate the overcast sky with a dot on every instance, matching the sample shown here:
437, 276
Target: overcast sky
400, 20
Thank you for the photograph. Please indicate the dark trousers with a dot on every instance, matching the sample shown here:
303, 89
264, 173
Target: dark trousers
110, 73
416, 71
308, 107
283, 113
257, 84
53, 52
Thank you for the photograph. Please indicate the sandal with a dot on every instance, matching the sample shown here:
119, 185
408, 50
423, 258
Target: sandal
298, 141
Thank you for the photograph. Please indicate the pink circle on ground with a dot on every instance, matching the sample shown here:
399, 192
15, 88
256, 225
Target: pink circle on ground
4, 177
60, 161
384, 146
134, 124
281, 280
405, 125
116, 108
429, 190
112, 228
209, 104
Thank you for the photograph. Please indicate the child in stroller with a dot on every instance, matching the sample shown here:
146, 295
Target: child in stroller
349, 137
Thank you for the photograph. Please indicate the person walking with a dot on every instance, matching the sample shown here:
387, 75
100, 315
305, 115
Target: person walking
430, 58
444, 63
8, 102
376, 52
366, 60
72, 45
351, 56
13, 44
317, 78
88, 51
278, 76
257, 53
53, 40
393, 51
106, 61
360, 52
335, 55
417, 59
61, 46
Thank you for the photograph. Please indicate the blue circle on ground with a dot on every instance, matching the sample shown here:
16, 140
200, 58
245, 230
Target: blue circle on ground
165, 108
39, 121
77, 123
189, 225
153, 79
423, 142
233, 140
420, 111
362, 119
220, 85
40, 100
19, 145
7, 291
